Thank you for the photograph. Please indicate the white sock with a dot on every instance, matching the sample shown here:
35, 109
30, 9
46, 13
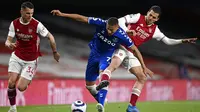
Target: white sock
13, 107
92, 89
136, 91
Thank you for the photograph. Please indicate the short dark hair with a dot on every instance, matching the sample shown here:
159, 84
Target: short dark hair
27, 5
156, 9
112, 21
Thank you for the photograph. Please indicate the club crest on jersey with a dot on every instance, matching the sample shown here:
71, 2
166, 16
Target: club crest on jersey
30, 30
115, 39
150, 30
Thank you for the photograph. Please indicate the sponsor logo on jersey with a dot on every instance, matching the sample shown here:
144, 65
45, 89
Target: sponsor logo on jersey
141, 33
109, 42
24, 37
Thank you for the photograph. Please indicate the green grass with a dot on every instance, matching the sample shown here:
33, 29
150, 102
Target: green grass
174, 106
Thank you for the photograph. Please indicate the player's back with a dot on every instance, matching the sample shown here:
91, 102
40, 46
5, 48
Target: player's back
27, 47
102, 42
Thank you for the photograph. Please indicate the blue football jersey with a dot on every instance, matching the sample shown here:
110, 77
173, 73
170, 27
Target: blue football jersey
102, 42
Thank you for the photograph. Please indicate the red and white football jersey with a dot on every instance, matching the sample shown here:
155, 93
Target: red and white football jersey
27, 38
143, 31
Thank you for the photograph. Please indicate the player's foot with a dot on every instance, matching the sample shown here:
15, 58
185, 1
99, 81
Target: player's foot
132, 109
100, 107
12, 110
102, 84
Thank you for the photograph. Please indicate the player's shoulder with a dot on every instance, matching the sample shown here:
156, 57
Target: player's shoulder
96, 19
134, 15
35, 21
121, 33
154, 26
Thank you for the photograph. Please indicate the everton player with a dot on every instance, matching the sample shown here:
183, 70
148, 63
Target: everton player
107, 38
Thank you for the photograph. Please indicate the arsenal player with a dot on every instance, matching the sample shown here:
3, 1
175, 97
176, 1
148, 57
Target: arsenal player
141, 28
24, 59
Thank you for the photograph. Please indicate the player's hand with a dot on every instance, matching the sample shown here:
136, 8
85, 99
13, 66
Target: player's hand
190, 40
56, 56
148, 72
56, 12
11, 45
131, 32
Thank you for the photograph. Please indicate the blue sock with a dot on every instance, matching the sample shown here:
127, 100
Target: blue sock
102, 96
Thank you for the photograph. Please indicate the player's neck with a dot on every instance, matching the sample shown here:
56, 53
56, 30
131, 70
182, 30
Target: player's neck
24, 22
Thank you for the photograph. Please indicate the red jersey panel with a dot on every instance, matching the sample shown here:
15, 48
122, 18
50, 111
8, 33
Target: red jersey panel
143, 31
27, 47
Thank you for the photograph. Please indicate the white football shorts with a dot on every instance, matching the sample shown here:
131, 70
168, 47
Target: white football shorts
25, 69
129, 60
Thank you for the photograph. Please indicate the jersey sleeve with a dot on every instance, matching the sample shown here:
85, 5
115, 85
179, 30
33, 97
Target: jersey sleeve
126, 40
158, 35
42, 30
96, 21
122, 23
132, 18
11, 32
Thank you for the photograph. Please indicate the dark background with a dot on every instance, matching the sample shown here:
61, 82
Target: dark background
180, 16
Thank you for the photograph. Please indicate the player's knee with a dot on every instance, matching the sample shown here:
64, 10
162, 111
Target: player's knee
116, 62
21, 87
142, 78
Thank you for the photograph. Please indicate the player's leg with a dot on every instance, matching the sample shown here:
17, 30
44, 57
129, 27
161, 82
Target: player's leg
27, 74
116, 61
106, 74
14, 69
135, 68
137, 88
12, 93
92, 72
105, 60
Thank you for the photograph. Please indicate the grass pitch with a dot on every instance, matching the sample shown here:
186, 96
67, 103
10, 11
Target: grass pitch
168, 106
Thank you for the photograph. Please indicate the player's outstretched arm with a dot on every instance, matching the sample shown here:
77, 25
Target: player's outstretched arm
53, 46
169, 41
76, 17
140, 58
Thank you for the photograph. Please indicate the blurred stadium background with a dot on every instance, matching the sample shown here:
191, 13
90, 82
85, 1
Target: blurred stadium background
176, 68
